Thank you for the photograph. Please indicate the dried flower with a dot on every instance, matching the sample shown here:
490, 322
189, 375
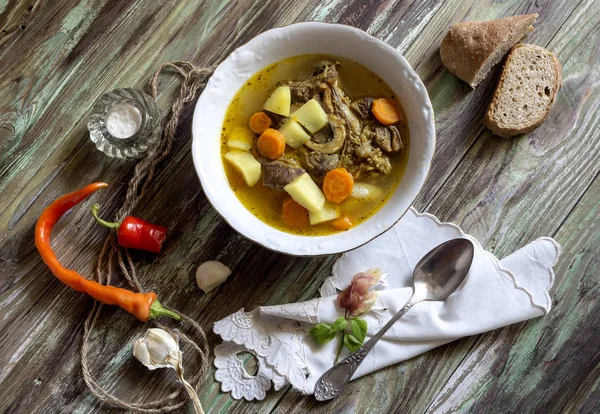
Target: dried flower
358, 298
160, 349
360, 295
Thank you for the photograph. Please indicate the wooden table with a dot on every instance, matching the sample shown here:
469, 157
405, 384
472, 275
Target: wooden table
57, 57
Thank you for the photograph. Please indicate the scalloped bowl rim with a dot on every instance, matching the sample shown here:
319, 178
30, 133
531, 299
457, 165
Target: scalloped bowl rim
299, 39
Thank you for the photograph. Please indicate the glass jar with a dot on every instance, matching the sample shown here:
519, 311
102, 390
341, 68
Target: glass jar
125, 123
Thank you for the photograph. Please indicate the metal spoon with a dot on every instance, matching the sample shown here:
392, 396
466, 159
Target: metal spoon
435, 277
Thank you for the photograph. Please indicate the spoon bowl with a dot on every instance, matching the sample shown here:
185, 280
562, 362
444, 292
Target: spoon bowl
442, 270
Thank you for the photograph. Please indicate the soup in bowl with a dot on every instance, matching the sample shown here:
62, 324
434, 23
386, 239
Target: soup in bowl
313, 138
330, 163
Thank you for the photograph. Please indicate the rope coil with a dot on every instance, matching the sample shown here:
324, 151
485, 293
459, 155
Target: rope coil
193, 79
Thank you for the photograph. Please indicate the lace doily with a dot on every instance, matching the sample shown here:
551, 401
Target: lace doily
235, 379
280, 358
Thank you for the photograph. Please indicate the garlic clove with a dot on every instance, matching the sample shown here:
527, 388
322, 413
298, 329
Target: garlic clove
140, 351
158, 352
211, 274
162, 341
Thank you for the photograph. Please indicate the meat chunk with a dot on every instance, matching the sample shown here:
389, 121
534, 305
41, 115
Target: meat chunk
326, 71
362, 108
277, 120
341, 104
387, 138
318, 164
325, 98
323, 136
363, 156
303, 91
279, 173
372, 161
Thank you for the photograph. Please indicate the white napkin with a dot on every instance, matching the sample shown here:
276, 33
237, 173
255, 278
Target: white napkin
494, 294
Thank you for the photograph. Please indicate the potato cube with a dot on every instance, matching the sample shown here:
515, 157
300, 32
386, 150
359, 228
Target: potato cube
295, 135
245, 164
311, 115
279, 101
329, 212
306, 193
241, 139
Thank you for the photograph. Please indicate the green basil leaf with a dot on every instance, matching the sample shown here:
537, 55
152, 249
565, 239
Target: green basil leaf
351, 342
322, 333
359, 328
340, 324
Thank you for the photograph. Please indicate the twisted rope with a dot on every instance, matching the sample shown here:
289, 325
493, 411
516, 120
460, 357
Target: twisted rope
193, 80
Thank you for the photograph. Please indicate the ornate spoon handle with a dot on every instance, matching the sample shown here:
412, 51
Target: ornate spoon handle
333, 381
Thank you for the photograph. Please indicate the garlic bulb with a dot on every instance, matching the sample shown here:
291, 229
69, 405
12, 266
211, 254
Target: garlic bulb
211, 274
160, 349
157, 349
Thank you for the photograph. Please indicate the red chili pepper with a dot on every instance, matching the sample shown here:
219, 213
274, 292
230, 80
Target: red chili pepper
135, 233
143, 306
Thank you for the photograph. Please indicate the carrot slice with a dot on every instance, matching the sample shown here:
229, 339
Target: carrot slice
386, 111
271, 144
342, 223
294, 215
259, 122
338, 185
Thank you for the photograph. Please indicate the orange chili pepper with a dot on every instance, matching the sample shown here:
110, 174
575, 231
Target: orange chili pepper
143, 306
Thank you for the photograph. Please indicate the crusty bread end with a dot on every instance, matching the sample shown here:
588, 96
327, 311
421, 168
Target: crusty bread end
470, 49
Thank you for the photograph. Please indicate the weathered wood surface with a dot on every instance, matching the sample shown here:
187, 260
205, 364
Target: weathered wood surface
57, 57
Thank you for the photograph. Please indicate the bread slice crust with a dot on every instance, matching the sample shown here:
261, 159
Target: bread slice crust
470, 49
511, 112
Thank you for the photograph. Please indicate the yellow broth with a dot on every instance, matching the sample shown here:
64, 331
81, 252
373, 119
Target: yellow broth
266, 203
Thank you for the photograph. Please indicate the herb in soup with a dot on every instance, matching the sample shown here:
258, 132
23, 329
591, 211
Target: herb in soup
314, 145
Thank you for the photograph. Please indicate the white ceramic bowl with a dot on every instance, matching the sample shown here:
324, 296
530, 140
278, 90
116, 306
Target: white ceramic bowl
299, 39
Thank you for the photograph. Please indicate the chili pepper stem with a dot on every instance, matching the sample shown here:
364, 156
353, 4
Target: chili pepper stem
157, 310
108, 224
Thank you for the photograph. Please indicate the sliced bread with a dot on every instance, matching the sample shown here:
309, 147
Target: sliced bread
525, 93
470, 49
